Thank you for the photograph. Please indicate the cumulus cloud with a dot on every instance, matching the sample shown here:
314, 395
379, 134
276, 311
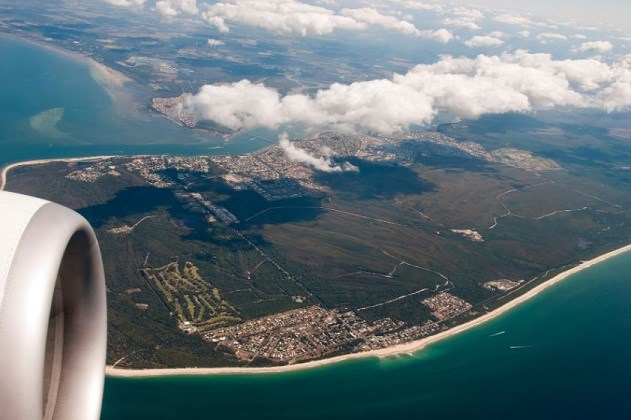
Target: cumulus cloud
215, 42
322, 163
218, 22
617, 96
513, 19
463, 17
126, 3
371, 16
461, 22
463, 87
473, 14
286, 17
290, 17
293, 17
419, 5
600, 47
441, 35
483, 41
239, 105
547, 37
174, 7
379, 105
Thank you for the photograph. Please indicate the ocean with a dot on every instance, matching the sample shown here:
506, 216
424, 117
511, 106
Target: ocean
562, 354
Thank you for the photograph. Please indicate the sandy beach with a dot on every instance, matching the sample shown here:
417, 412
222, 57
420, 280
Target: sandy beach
8, 168
406, 348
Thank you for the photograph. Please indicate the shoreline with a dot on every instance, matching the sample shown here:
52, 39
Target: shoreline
108, 75
405, 348
8, 168
112, 81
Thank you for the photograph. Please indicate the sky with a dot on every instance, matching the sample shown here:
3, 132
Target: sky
594, 12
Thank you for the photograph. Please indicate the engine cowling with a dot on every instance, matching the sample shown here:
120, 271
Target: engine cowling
53, 328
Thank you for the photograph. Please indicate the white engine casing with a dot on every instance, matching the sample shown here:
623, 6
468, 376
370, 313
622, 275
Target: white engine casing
52, 312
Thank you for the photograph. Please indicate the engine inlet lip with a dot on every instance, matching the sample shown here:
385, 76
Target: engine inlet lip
56, 244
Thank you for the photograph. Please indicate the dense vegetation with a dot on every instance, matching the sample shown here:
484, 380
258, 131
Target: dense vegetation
379, 234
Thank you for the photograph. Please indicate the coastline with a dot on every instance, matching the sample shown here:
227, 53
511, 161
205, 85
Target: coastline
110, 80
406, 348
104, 73
6, 169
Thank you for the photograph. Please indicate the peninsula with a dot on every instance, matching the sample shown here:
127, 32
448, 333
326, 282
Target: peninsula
319, 250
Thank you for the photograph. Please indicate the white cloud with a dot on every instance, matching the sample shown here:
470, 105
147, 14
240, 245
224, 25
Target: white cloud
616, 97
371, 16
215, 42
463, 87
174, 7
461, 22
490, 84
441, 35
524, 33
293, 17
578, 36
513, 19
322, 163
218, 23
547, 37
600, 47
126, 3
378, 105
290, 17
419, 5
582, 75
464, 18
239, 105
483, 41
473, 14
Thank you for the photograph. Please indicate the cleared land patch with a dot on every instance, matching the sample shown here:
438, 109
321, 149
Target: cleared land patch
198, 305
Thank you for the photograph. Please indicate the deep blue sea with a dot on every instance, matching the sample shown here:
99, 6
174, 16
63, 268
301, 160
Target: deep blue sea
563, 354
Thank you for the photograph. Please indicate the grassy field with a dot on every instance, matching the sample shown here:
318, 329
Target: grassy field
195, 302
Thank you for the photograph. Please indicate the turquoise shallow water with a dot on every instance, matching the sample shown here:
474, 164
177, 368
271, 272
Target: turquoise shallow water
37, 84
564, 354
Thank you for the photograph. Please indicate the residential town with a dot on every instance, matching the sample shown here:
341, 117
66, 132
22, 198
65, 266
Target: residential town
311, 333
445, 305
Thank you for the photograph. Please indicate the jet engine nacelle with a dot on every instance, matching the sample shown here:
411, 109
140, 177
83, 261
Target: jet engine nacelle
52, 312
